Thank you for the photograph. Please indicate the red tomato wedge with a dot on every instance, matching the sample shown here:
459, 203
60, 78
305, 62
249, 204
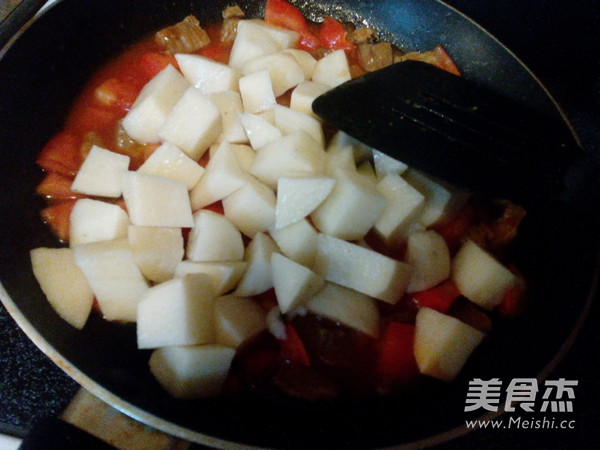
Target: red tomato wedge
397, 366
333, 35
286, 15
292, 348
55, 186
439, 297
61, 154
58, 217
216, 51
153, 62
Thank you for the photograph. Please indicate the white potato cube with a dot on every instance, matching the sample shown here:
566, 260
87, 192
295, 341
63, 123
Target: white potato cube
340, 158
289, 121
95, 220
207, 75
222, 177
361, 269
443, 344
177, 312
297, 241
214, 238
340, 140
386, 165
100, 173
259, 131
366, 170
155, 201
333, 69
293, 282
193, 124
63, 283
237, 319
170, 162
230, 105
154, 103
252, 208
283, 37
441, 200
305, 59
294, 154
258, 277
429, 257
255, 38
480, 277
346, 306
115, 279
297, 197
403, 209
156, 251
244, 154
257, 93
192, 372
303, 96
351, 209
284, 71
223, 275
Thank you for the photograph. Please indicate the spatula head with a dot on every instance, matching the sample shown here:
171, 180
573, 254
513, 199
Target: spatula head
454, 129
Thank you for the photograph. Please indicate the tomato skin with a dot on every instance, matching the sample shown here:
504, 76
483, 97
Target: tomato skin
396, 366
61, 154
439, 297
58, 217
292, 347
332, 35
286, 15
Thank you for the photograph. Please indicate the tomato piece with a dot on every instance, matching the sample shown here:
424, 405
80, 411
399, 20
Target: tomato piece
454, 230
117, 93
94, 118
439, 297
443, 61
514, 301
267, 300
396, 366
216, 51
55, 186
58, 217
333, 35
216, 207
61, 154
284, 14
292, 347
153, 62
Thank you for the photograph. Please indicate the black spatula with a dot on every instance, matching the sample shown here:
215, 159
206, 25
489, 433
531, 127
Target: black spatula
463, 133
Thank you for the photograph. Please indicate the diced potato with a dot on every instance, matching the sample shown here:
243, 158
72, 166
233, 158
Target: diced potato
214, 238
361, 269
156, 251
192, 372
294, 154
259, 131
207, 75
177, 312
297, 197
283, 37
156, 201
348, 307
304, 94
386, 165
340, 140
305, 59
257, 93
222, 177
258, 277
184, 129
244, 153
480, 277
95, 220
366, 170
289, 121
63, 283
441, 200
443, 344
251, 41
170, 162
154, 103
332, 69
429, 256
230, 105
115, 279
297, 241
223, 275
252, 208
351, 209
100, 173
294, 284
284, 71
340, 158
403, 209
237, 319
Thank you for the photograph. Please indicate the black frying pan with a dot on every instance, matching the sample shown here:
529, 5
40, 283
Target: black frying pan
44, 70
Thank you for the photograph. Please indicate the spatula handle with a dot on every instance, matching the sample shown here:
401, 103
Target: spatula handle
582, 184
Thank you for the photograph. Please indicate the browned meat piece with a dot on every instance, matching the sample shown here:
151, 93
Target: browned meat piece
362, 35
233, 12
231, 15
185, 37
375, 56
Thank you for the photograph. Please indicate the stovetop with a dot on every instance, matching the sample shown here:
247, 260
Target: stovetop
560, 41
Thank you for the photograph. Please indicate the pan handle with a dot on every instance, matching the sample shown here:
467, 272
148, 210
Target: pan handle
14, 17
